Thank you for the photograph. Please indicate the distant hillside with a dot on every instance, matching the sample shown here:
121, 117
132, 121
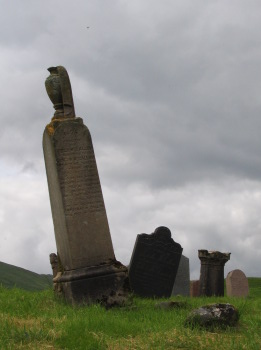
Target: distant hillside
13, 276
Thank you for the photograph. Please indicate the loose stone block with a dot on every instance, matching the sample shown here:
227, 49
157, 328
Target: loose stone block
213, 315
182, 280
237, 284
212, 272
154, 263
88, 268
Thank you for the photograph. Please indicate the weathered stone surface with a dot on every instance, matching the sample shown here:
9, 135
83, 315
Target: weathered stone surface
79, 216
182, 280
212, 272
194, 288
93, 283
154, 263
237, 284
88, 268
54, 263
213, 315
59, 90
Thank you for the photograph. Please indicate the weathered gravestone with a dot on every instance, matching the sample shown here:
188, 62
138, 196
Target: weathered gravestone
182, 280
211, 280
154, 263
88, 270
237, 284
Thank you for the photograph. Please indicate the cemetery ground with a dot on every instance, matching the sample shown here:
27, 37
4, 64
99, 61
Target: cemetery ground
37, 320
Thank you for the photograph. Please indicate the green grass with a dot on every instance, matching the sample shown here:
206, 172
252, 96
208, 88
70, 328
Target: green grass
13, 276
37, 320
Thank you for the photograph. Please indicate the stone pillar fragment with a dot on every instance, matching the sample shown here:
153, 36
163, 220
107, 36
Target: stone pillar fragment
212, 272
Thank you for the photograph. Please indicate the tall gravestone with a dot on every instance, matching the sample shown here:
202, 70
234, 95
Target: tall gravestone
154, 263
237, 284
182, 280
211, 280
88, 270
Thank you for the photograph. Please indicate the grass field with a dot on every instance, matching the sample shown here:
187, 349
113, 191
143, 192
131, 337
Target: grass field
36, 320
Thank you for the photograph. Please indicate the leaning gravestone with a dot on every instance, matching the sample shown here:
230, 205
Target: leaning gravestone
182, 280
237, 284
88, 270
154, 263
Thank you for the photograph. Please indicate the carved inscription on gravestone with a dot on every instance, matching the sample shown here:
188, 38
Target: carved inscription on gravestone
77, 173
81, 201
154, 263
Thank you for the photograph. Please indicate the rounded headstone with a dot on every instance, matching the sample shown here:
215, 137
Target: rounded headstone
162, 232
237, 284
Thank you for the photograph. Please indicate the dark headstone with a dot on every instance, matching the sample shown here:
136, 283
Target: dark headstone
182, 280
154, 263
237, 284
212, 272
88, 268
213, 315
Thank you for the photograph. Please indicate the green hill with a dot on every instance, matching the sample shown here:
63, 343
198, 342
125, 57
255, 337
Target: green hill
13, 276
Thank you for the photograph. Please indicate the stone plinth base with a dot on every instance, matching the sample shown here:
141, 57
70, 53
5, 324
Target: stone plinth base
107, 283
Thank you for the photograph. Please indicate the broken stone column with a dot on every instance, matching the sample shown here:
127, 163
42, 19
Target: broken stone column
212, 272
88, 270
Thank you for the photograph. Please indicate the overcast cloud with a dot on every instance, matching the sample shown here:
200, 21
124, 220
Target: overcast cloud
170, 91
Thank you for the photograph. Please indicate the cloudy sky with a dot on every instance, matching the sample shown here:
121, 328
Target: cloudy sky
171, 92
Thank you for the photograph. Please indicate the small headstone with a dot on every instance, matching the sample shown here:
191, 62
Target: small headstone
194, 288
154, 263
182, 280
237, 284
213, 315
